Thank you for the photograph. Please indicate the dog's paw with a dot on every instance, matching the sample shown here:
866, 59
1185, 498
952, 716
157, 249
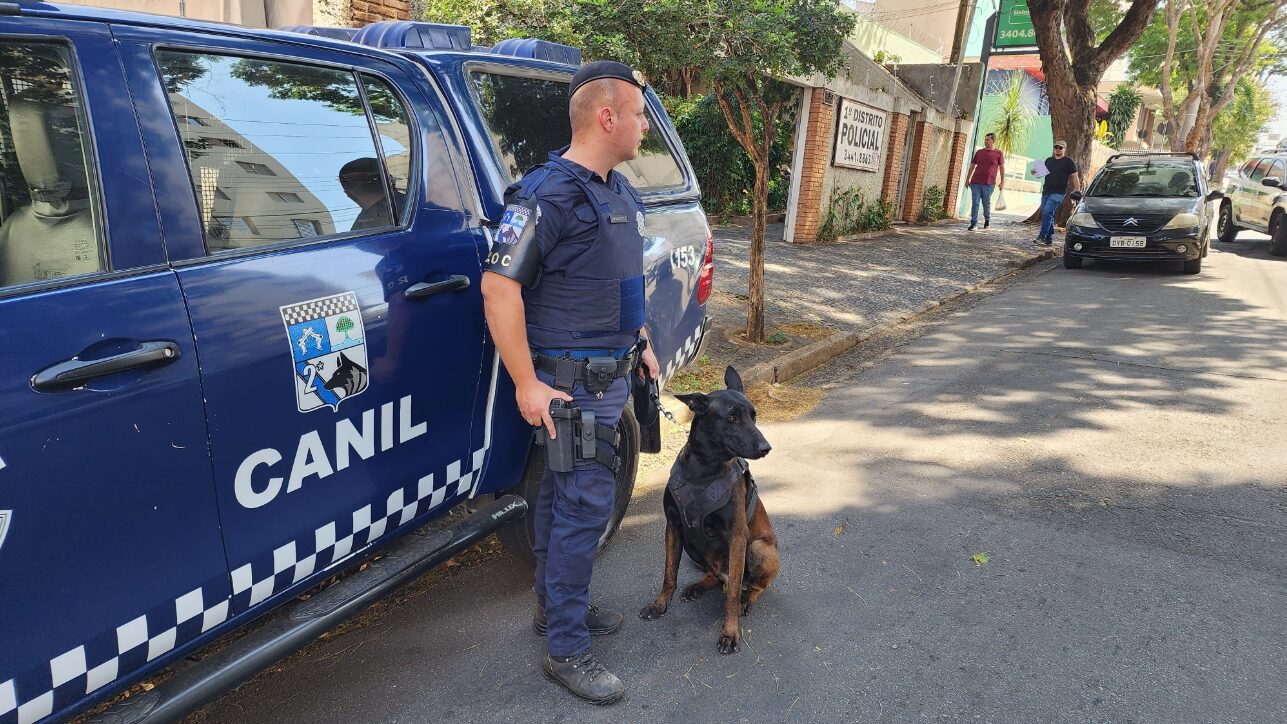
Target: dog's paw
728, 644
652, 612
692, 593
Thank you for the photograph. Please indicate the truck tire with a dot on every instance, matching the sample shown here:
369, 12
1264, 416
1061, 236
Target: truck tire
519, 536
1226, 230
1278, 243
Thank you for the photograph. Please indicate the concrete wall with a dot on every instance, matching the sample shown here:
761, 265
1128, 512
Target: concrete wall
930, 24
934, 83
870, 37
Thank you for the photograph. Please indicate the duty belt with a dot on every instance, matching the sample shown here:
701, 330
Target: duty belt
596, 374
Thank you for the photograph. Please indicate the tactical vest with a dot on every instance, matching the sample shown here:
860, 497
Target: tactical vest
706, 510
597, 301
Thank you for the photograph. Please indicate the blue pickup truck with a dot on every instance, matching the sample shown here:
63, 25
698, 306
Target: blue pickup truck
243, 339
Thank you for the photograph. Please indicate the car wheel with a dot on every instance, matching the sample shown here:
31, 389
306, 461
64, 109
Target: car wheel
1226, 230
519, 536
1193, 266
1275, 222
1278, 244
1072, 262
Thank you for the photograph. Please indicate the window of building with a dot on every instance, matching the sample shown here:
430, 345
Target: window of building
225, 142
528, 117
49, 225
307, 228
257, 169
307, 142
191, 121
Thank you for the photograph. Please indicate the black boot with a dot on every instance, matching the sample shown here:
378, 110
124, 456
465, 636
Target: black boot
584, 676
600, 621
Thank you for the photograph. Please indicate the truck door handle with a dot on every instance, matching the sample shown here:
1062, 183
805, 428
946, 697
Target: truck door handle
75, 372
424, 290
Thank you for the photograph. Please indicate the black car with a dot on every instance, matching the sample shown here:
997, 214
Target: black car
1143, 207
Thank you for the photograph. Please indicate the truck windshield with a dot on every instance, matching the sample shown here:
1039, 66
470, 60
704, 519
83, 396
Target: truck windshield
527, 118
1146, 180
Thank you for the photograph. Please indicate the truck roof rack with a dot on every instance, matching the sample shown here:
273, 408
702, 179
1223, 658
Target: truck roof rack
539, 50
324, 32
1142, 154
413, 35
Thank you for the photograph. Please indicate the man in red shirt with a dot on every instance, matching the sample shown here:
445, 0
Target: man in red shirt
987, 166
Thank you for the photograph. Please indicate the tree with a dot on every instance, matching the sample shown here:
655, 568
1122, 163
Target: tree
744, 50
1123, 104
1013, 120
1074, 61
1196, 54
1236, 128
344, 325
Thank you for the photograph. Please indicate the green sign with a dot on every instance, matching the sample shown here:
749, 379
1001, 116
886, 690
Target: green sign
1014, 25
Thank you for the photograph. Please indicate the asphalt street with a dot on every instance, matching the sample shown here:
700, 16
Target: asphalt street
1111, 440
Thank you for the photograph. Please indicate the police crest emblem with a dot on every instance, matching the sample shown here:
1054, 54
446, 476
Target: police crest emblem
328, 350
514, 221
5, 517
639, 221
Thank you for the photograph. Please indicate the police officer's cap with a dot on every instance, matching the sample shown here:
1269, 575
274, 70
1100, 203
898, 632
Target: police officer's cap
607, 69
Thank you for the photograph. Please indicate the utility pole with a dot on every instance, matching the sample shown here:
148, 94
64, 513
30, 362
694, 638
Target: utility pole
964, 14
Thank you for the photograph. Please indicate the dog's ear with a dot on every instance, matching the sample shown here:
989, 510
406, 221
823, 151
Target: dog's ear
696, 402
732, 380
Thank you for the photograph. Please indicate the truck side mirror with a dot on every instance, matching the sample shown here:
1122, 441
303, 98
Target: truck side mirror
1214, 195
1271, 183
1075, 196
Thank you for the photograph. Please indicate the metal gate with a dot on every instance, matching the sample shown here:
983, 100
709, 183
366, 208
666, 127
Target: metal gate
905, 165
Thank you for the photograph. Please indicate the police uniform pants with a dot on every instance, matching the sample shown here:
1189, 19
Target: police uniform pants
572, 512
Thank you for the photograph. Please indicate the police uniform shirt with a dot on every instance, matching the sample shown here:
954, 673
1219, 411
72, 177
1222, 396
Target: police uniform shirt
569, 223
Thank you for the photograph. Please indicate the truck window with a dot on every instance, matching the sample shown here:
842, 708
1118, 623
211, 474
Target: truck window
49, 217
528, 117
394, 133
1262, 168
296, 131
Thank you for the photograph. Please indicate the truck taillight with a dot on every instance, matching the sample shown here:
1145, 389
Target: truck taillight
706, 281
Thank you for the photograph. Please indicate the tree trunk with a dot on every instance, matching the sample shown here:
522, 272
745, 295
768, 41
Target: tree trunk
1221, 164
1075, 126
759, 218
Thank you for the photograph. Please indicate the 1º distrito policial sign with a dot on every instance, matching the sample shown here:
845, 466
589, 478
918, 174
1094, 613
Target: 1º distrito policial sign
860, 136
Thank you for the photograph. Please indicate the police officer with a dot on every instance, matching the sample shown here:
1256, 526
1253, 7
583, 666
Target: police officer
564, 297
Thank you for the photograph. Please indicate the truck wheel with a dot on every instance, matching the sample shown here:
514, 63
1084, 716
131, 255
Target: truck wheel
1278, 244
1226, 230
519, 536
1275, 221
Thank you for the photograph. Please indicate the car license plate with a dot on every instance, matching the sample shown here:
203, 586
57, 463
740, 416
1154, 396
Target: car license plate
1128, 242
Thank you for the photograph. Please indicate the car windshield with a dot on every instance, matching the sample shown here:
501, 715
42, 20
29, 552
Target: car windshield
1146, 179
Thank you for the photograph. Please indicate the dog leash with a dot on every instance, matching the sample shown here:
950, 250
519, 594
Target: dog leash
656, 400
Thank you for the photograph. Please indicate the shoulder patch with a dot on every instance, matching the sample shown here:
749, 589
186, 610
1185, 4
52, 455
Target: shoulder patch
639, 221
514, 221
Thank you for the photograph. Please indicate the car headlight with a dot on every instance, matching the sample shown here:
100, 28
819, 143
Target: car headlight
1182, 221
1081, 218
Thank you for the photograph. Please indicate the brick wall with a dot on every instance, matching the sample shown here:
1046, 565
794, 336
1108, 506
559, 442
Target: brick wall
916, 171
363, 12
894, 158
954, 174
813, 171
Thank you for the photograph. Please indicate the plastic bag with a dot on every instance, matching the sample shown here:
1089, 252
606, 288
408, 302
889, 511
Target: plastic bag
1000, 204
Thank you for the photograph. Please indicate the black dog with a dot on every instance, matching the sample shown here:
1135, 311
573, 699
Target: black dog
713, 511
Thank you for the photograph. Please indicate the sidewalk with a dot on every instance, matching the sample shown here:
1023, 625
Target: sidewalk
825, 297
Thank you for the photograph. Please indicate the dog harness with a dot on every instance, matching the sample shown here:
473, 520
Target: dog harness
697, 501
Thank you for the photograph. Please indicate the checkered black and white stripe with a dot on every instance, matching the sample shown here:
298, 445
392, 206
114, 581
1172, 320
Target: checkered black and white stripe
334, 542
683, 355
319, 308
97, 663
35, 695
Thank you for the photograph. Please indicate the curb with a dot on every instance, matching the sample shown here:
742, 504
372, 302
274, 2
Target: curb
797, 362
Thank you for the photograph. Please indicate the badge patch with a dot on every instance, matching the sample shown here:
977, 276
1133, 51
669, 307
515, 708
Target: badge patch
639, 221
5, 517
328, 350
516, 219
